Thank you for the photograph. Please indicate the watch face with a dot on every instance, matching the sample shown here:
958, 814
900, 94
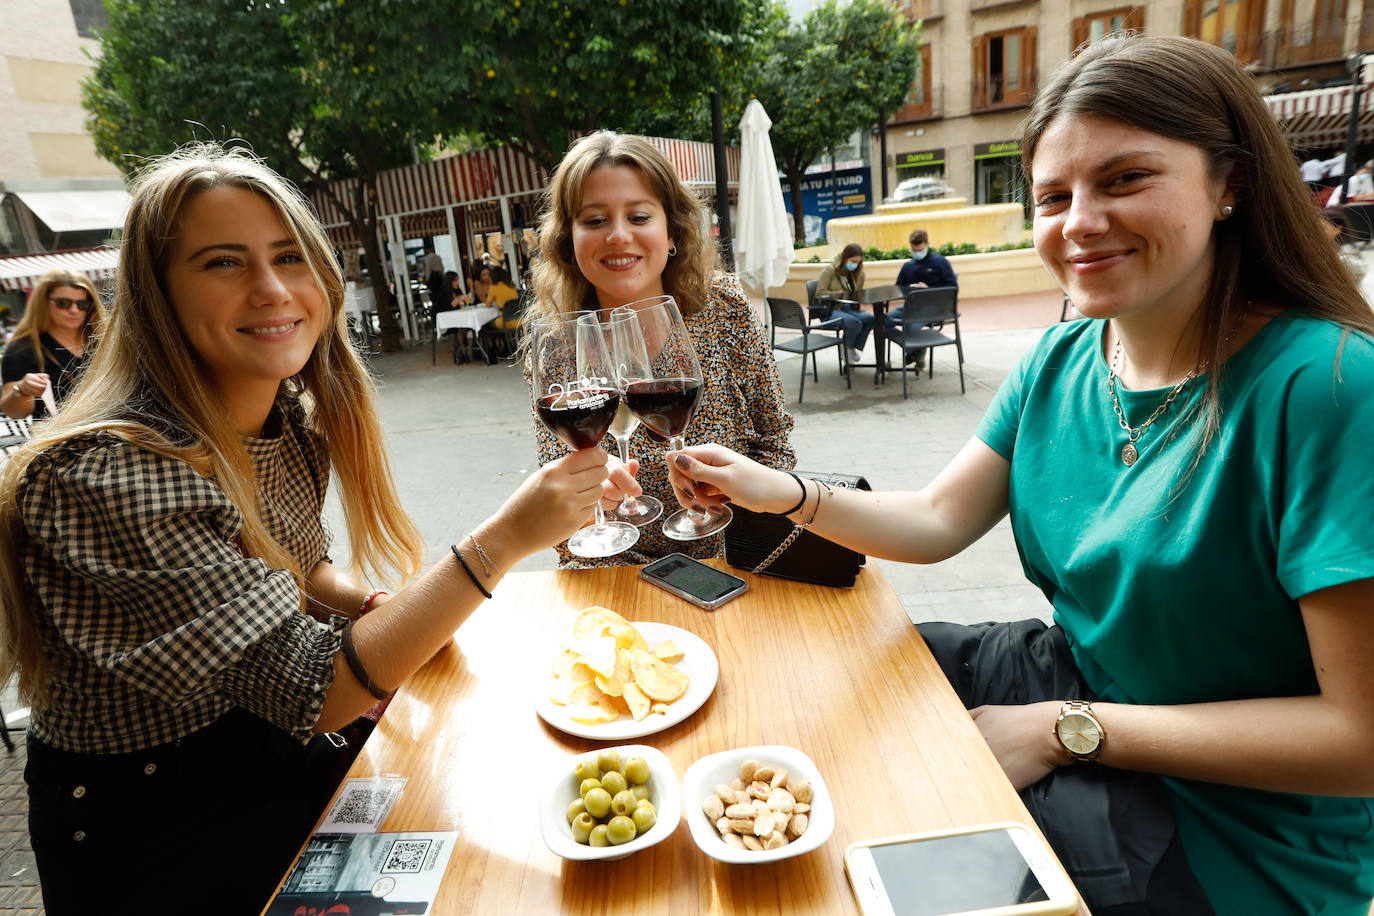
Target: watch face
1079, 733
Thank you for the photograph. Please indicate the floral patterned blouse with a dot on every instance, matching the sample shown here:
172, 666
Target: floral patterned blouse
741, 407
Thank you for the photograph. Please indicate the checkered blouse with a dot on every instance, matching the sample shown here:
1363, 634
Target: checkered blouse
154, 623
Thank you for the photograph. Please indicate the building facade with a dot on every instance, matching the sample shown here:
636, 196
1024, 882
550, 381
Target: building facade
982, 62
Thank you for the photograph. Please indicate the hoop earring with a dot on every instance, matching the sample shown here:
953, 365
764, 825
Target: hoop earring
672, 252
1227, 211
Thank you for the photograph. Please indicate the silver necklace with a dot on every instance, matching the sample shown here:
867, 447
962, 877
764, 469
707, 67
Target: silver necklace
1129, 453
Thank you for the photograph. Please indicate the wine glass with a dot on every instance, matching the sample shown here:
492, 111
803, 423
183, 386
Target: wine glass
575, 394
643, 509
663, 393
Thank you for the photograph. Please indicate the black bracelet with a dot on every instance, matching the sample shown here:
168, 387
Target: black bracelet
471, 575
801, 502
355, 664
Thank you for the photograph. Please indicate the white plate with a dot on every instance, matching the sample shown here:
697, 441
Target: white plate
703, 776
560, 789
698, 662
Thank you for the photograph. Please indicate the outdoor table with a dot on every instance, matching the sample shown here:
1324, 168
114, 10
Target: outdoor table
840, 674
879, 297
468, 318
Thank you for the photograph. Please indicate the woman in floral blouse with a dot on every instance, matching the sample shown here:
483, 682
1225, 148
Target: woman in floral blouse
618, 227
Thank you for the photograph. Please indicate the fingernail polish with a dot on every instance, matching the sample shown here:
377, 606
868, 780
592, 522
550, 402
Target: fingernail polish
725, 499
690, 494
683, 462
698, 508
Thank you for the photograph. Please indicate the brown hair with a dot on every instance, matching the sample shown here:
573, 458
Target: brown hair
37, 317
144, 386
1197, 93
918, 237
851, 250
558, 283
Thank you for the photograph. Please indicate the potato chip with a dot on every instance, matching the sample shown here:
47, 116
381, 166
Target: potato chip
659, 708
594, 620
636, 700
658, 679
667, 650
589, 705
598, 653
614, 684
626, 636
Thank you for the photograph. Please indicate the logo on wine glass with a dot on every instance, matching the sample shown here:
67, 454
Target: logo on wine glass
585, 393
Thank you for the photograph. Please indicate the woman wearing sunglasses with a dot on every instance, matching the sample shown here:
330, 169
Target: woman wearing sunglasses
50, 343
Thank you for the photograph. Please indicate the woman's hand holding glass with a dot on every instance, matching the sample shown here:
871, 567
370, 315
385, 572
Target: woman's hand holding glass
576, 396
706, 476
551, 504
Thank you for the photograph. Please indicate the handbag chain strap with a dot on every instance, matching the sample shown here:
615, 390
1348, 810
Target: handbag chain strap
796, 529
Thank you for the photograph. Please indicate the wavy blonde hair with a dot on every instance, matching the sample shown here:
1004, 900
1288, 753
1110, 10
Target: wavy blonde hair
37, 316
558, 282
144, 386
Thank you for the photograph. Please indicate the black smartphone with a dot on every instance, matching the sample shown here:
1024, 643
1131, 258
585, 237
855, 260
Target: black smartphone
705, 586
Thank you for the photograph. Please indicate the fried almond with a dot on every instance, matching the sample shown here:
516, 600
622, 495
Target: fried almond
713, 808
733, 839
752, 842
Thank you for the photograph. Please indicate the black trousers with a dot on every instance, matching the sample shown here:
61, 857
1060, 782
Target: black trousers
1113, 830
206, 824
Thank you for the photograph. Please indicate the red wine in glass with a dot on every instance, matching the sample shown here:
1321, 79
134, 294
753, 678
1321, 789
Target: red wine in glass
579, 418
665, 405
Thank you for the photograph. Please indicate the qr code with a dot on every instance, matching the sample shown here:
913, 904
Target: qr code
362, 806
406, 857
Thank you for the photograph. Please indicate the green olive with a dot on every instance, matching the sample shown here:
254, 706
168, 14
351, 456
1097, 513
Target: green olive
614, 782
586, 769
576, 808
608, 760
624, 802
620, 829
598, 802
637, 770
587, 785
645, 816
598, 836
641, 792
582, 826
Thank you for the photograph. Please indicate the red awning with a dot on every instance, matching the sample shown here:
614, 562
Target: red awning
1320, 118
22, 271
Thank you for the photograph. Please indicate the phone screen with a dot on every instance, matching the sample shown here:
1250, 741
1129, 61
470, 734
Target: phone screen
706, 582
954, 874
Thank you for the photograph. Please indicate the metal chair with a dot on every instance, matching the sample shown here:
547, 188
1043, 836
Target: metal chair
817, 310
512, 310
924, 316
787, 313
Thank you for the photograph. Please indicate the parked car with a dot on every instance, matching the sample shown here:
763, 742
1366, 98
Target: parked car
920, 188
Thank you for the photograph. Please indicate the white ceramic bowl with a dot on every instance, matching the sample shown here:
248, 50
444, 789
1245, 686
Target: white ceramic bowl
720, 769
561, 789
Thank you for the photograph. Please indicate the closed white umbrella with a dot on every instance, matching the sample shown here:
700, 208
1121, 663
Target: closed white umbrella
763, 246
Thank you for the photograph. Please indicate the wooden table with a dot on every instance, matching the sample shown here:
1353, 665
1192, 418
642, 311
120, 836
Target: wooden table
839, 673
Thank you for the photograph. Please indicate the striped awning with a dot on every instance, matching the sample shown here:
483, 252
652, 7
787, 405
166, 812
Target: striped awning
695, 162
22, 271
1320, 118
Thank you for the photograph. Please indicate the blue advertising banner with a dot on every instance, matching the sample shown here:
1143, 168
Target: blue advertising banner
847, 193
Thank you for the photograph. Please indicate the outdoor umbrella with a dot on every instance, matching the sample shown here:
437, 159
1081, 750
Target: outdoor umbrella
763, 246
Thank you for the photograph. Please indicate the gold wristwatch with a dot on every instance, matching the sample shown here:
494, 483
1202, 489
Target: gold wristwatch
1079, 732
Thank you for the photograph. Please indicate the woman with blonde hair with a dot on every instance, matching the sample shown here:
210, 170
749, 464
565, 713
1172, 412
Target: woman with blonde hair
179, 631
1187, 478
51, 343
618, 226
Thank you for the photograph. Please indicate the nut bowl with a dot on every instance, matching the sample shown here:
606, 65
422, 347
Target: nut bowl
561, 790
719, 769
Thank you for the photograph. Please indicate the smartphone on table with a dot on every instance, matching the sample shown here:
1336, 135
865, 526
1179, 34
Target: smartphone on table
703, 585
988, 870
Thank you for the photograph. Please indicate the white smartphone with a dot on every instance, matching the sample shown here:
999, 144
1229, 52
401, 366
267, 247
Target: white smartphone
988, 870
705, 586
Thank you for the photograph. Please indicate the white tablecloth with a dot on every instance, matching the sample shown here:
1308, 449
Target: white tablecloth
472, 319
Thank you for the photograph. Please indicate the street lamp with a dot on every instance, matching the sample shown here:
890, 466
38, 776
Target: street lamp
1354, 65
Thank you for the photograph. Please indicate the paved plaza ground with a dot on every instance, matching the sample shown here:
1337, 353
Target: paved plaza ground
460, 440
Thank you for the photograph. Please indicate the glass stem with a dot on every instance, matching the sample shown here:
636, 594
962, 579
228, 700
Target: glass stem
623, 444
677, 444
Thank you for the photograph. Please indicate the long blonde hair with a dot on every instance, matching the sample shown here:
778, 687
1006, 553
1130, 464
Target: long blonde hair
37, 317
558, 282
144, 386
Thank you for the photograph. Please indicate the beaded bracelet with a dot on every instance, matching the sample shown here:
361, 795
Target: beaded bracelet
471, 575
355, 664
367, 602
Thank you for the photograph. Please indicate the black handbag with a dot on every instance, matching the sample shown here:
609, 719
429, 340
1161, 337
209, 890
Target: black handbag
753, 536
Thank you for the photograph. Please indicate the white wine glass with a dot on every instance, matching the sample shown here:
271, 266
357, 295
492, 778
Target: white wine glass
575, 395
643, 509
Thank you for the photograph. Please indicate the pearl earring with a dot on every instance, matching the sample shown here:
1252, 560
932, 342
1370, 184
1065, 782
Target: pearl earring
1227, 211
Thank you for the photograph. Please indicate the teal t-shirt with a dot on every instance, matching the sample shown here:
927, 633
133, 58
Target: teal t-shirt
1175, 594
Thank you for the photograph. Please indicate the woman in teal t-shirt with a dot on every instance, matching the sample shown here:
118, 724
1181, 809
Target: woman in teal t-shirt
1188, 479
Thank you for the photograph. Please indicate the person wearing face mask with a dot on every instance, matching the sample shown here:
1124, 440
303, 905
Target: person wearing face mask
927, 268
840, 281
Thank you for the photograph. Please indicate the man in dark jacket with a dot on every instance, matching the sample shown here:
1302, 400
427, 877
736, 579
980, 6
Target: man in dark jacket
926, 268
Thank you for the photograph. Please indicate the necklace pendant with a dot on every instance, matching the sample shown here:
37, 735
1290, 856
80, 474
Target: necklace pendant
1129, 454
